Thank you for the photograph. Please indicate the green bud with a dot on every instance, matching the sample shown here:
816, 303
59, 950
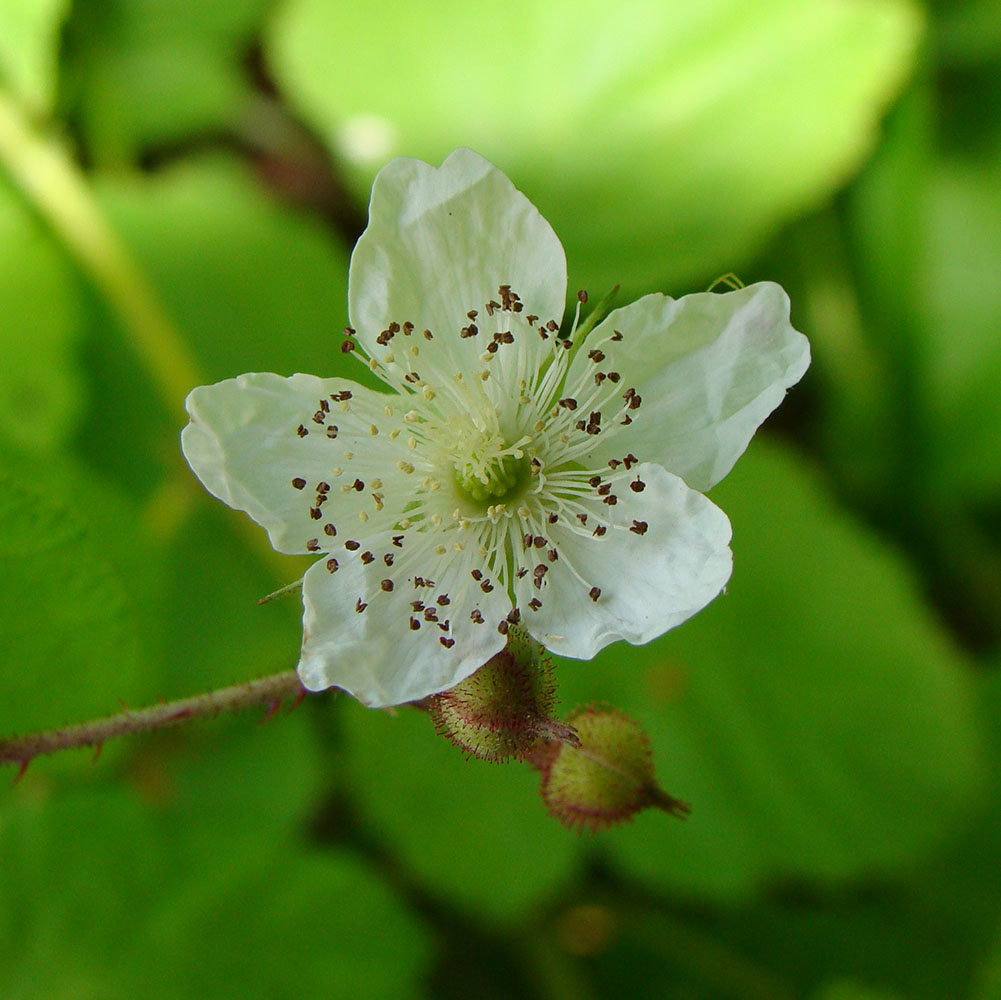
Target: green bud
607, 779
504, 709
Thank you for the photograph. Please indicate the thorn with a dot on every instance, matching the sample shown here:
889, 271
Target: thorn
21, 770
668, 803
97, 753
273, 707
299, 699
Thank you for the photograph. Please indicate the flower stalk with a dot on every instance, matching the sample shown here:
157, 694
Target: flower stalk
268, 692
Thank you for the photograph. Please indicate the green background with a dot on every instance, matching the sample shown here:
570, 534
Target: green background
833, 719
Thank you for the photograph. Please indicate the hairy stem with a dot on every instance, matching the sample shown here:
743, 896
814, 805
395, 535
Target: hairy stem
267, 691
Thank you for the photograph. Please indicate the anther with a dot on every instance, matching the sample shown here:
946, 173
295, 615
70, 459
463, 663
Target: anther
639, 527
594, 593
299, 483
360, 605
329, 529
331, 565
387, 585
367, 557
313, 545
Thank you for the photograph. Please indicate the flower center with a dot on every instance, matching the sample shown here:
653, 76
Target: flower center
486, 468
497, 477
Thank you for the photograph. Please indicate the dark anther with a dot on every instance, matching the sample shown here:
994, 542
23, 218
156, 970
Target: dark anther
387, 585
639, 527
329, 529
299, 483
313, 545
594, 593
331, 565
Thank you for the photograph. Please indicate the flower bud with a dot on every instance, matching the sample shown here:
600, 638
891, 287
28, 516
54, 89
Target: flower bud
607, 779
503, 709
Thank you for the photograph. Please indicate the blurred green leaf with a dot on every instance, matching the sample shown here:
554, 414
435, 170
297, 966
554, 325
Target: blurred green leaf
846, 989
816, 717
79, 873
962, 318
664, 141
189, 884
29, 39
40, 326
230, 789
253, 287
142, 75
215, 633
287, 926
474, 833
70, 626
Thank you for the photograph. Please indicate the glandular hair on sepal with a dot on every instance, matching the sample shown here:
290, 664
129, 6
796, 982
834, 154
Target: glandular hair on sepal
503, 710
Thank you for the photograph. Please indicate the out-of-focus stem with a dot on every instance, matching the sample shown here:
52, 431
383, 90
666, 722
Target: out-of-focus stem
42, 167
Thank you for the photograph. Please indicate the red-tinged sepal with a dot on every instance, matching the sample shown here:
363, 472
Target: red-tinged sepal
503, 710
607, 779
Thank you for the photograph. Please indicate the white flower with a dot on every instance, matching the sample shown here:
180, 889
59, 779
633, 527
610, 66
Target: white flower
505, 476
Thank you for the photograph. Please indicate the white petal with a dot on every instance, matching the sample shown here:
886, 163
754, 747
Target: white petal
439, 243
648, 582
709, 368
244, 444
374, 653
